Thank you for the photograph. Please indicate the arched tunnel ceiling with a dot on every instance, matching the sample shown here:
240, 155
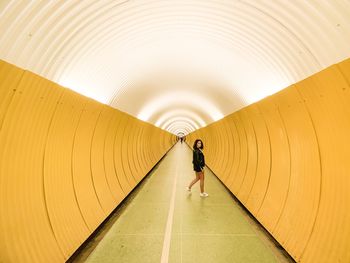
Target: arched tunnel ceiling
177, 64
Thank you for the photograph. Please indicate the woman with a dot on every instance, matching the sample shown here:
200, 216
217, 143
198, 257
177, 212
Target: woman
198, 167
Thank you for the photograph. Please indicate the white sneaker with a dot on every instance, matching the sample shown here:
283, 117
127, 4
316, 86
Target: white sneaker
188, 189
204, 194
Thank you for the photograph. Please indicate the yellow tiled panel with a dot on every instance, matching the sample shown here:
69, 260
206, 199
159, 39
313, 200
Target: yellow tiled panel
300, 192
344, 68
127, 144
214, 149
140, 149
120, 156
66, 217
144, 148
87, 199
252, 156
222, 148
116, 179
10, 76
134, 152
23, 140
273, 204
243, 156
263, 166
148, 145
98, 169
61, 164
227, 150
234, 159
303, 195
327, 98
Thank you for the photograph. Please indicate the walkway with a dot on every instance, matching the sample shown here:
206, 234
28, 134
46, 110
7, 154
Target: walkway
163, 223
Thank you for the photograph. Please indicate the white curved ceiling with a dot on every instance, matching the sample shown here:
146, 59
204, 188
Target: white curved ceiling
177, 64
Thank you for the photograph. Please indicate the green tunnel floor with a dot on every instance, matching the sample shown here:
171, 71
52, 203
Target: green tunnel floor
163, 223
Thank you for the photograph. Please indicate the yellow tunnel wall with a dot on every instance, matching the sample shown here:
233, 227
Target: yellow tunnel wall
66, 162
287, 159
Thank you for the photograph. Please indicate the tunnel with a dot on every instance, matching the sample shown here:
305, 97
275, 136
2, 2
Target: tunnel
102, 104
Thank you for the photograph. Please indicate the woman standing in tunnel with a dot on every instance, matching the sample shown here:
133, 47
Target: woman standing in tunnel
198, 166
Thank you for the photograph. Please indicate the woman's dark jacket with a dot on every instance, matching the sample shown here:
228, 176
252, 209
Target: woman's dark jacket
198, 160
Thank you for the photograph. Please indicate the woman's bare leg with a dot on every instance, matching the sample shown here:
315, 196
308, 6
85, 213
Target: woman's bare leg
201, 178
194, 180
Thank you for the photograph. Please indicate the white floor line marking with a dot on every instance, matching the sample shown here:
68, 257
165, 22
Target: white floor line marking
169, 225
181, 221
219, 235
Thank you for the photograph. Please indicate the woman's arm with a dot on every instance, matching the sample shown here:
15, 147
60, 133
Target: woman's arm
196, 158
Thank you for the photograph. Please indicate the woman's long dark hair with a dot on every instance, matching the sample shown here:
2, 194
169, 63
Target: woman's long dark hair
195, 144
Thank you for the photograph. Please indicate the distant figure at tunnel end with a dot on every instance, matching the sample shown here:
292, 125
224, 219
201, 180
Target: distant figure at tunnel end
198, 166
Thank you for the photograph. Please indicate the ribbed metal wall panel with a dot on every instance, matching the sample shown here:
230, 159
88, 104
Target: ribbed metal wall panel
66, 162
295, 147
